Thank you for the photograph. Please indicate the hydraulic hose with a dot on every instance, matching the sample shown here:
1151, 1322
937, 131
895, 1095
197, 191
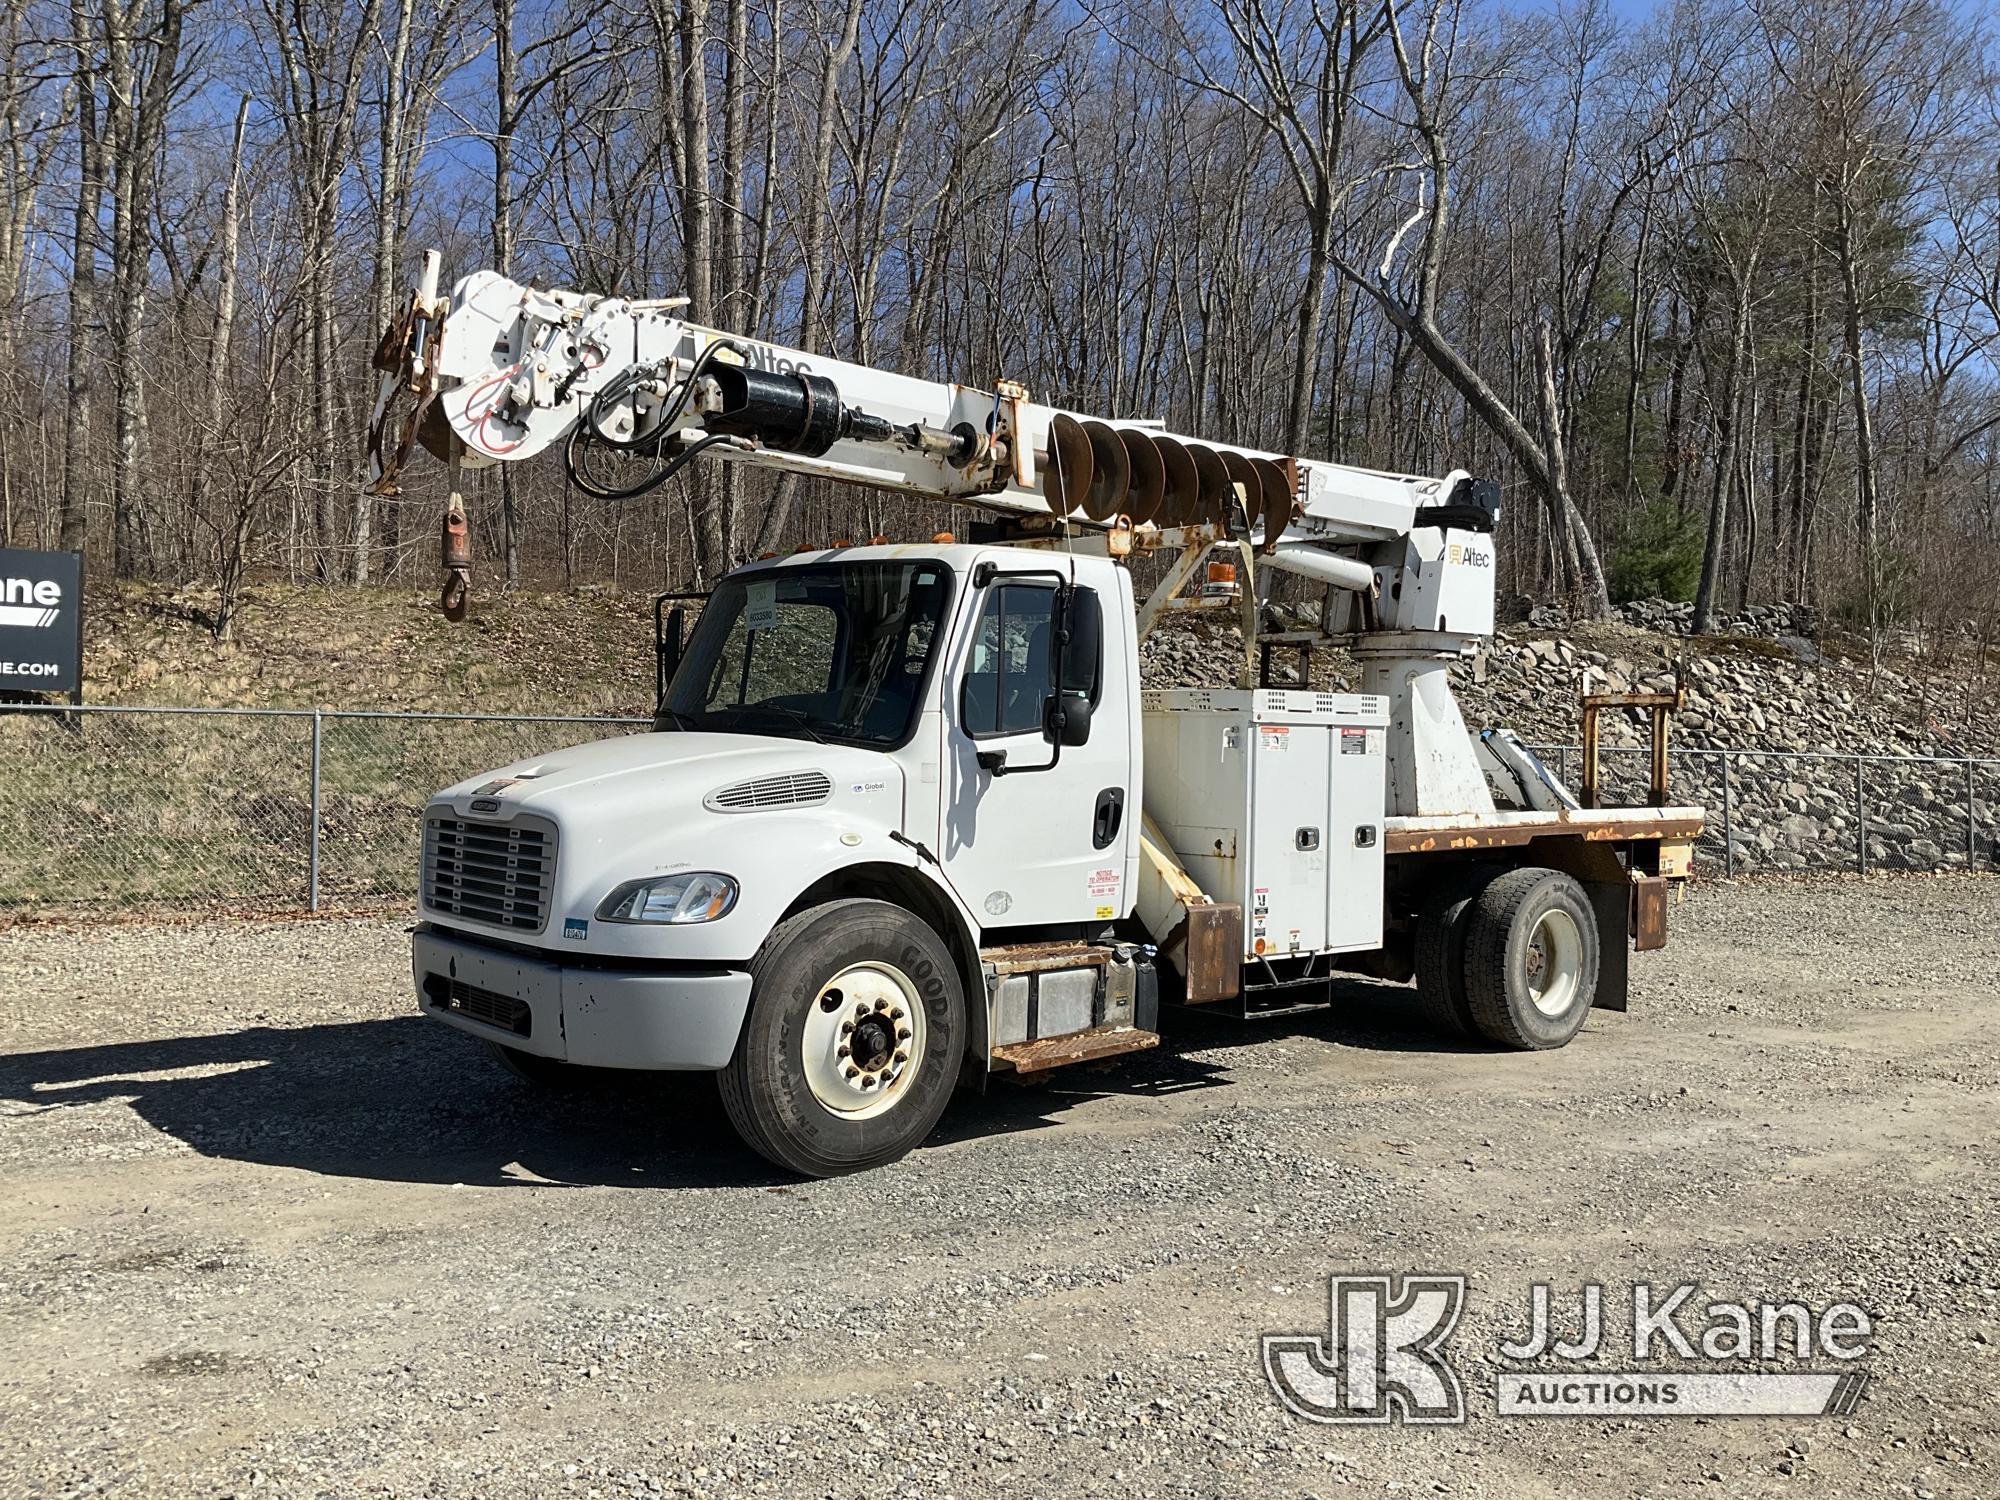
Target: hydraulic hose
578, 467
589, 431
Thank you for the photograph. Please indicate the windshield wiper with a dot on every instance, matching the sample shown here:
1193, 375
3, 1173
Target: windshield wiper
797, 716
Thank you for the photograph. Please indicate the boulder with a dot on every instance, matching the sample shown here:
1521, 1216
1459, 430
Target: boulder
1799, 831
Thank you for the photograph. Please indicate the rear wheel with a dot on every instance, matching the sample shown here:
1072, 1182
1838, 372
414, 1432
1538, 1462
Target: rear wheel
1530, 959
1440, 955
851, 1048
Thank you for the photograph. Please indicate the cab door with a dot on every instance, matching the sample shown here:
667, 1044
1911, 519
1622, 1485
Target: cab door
1035, 833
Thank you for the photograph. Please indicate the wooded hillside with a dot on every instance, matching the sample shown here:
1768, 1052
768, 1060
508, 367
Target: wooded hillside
1715, 290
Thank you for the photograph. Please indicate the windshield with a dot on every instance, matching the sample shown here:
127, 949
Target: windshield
837, 652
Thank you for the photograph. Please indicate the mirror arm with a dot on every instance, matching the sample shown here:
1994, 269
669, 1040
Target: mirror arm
994, 762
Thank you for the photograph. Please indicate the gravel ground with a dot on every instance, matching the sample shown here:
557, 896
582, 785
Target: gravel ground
264, 1230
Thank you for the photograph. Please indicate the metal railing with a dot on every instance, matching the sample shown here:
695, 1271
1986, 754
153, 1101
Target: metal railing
288, 809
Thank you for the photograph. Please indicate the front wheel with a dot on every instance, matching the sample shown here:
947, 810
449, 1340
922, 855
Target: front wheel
1530, 959
851, 1048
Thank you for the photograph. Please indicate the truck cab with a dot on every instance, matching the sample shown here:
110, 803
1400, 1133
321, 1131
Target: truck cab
873, 772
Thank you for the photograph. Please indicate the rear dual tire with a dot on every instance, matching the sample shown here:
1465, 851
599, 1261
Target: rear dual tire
1440, 958
1511, 958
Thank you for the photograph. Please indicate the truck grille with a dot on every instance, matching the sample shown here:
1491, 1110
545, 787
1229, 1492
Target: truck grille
500, 873
503, 1011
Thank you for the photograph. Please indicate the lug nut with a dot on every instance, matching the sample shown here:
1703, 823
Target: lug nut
853, 1072
848, 1029
868, 1082
841, 1050
902, 1033
901, 1056
896, 1014
860, 1012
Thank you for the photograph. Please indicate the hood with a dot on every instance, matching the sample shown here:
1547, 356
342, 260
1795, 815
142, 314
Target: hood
642, 804
677, 774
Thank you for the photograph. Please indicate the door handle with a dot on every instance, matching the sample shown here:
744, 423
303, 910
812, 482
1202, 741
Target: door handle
1108, 818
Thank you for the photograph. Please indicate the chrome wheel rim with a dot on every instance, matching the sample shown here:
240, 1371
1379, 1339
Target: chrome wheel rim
863, 1040
1553, 961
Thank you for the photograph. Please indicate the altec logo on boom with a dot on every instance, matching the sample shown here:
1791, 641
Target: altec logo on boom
760, 357
33, 602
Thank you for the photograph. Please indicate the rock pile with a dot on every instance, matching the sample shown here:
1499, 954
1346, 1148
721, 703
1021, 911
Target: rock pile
1793, 716
1676, 617
1770, 621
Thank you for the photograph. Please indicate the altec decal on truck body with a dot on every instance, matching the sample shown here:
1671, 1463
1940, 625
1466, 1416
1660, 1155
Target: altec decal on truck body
41, 620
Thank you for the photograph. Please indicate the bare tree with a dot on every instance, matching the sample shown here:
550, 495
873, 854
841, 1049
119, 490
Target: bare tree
320, 56
1435, 93
1676, 276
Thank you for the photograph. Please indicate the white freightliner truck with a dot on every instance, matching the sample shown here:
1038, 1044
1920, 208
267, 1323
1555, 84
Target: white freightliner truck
906, 816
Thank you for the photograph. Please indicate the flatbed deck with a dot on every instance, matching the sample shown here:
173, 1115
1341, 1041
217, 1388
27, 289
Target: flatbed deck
1499, 830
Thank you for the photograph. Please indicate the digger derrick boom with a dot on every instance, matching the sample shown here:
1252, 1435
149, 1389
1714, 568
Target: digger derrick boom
499, 372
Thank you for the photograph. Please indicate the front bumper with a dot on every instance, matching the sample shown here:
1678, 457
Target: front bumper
686, 1019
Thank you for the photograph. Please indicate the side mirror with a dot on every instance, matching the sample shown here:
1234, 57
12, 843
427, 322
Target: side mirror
668, 644
1083, 620
1066, 719
1066, 711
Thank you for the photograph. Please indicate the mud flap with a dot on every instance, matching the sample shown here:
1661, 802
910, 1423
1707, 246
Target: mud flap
1613, 906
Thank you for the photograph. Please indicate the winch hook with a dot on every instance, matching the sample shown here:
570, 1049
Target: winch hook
455, 557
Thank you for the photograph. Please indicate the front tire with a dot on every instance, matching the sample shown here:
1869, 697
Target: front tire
851, 1048
1531, 959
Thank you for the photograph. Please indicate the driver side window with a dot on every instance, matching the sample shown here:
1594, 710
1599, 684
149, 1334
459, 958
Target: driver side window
1007, 676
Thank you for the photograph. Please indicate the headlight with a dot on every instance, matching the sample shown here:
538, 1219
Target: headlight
701, 896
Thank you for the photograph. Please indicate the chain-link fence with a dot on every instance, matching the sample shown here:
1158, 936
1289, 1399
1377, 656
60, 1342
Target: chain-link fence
295, 808
267, 808
1771, 811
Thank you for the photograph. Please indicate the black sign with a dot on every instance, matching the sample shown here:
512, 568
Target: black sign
41, 621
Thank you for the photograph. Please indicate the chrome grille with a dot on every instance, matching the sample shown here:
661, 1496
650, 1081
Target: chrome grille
795, 789
500, 873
